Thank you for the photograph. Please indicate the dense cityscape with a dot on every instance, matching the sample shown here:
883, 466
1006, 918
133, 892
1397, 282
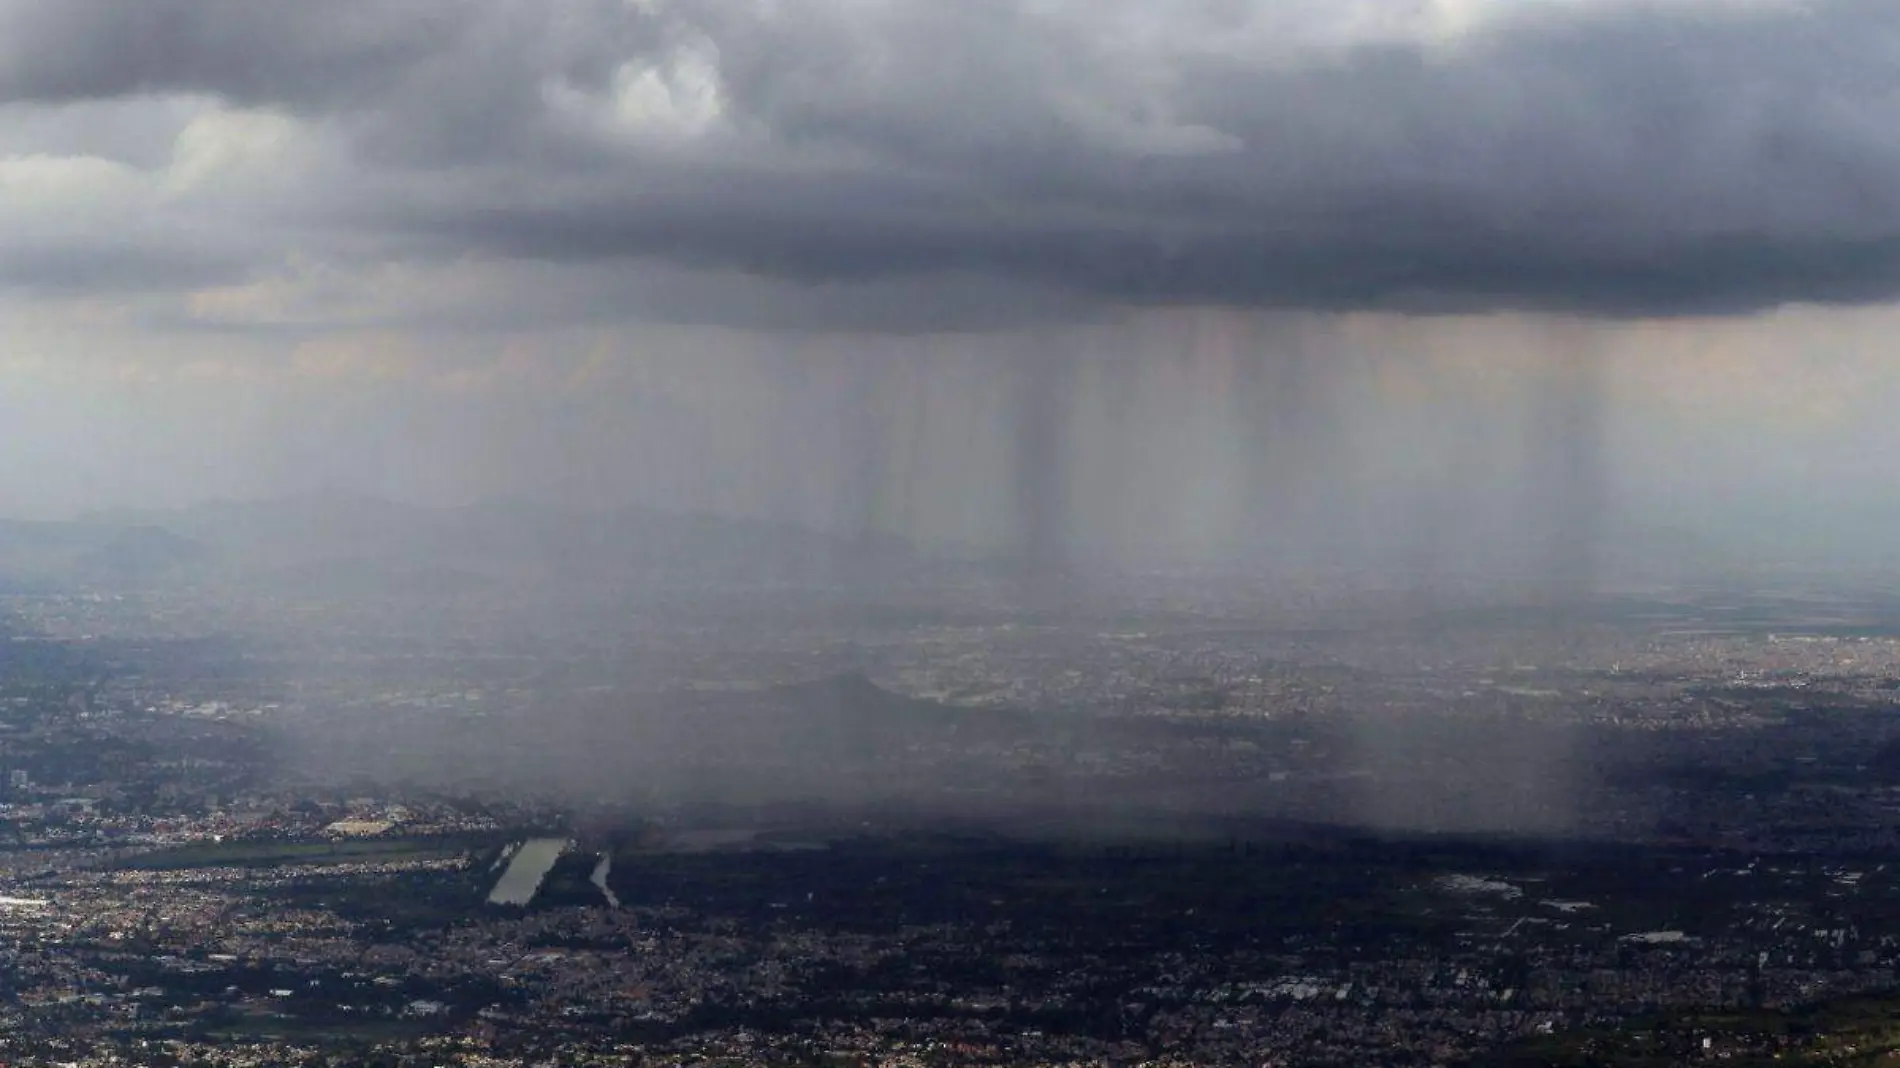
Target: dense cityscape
801, 827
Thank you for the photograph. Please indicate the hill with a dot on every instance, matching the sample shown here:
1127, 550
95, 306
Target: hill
347, 543
45, 555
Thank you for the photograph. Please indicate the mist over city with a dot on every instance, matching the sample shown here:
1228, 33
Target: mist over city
998, 532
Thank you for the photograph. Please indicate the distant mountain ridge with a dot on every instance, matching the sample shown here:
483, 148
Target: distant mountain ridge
353, 543
40, 554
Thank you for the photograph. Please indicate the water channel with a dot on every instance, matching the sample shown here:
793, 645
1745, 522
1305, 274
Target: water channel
526, 868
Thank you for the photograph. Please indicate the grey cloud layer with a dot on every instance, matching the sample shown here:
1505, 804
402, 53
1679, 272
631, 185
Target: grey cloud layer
1610, 157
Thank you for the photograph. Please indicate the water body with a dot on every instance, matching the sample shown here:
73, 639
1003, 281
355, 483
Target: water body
526, 868
599, 878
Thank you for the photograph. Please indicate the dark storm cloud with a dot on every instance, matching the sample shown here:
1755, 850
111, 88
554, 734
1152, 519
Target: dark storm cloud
1610, 157
309, 54
416, 78
65, 270
341, 55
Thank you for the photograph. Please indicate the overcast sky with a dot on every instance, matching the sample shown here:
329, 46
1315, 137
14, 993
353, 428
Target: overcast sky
984, 269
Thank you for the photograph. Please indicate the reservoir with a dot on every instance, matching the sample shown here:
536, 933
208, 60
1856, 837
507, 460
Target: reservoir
526, 868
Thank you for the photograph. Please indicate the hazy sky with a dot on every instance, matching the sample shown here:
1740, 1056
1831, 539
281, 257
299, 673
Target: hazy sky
1103, 272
